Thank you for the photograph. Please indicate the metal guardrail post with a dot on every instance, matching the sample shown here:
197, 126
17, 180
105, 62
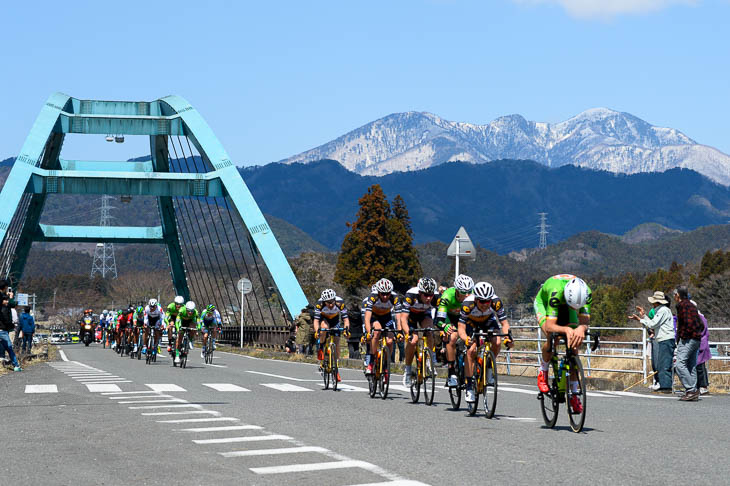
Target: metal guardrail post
508, 361
588, 353
643, 351
539, 356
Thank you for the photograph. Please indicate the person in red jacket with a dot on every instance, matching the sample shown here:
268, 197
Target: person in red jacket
689, 333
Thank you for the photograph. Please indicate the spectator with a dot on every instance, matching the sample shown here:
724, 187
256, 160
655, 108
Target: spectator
16, 326
6, 323
27, 326
305, 331
689, 334
663, 326
290, 345
703, 357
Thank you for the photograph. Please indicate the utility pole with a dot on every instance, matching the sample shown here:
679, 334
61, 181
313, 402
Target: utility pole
54, 299
543, 230
104, 262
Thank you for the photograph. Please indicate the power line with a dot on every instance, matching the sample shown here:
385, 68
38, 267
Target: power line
543, 230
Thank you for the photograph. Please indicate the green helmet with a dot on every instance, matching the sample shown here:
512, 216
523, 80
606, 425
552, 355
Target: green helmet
140, 310
210, 308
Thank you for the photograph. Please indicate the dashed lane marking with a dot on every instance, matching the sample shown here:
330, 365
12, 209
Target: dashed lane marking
211, 412
225, 387
266, 452
148, 407
285, 387
165, 387
222, 429
317, 466
128, 397
403, 482
41, 389
255, 438
102, 387
130, 392
350, 388
199, 420
279, 376
171, 399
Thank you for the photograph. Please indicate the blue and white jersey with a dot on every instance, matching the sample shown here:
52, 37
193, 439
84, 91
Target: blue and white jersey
210, 318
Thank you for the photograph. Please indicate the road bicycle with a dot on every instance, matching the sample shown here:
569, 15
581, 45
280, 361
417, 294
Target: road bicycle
423, 373
379, 380
455, 391
151, 348
561, 375
485, 373
184, 346
329, 365
122, 344
140, 337
209, 348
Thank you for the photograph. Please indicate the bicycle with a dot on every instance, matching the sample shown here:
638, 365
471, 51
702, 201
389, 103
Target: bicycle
151, 348
455, 391
379, 380
138, 353
122, 344
560, 382
183, 348
424, 372
329, 365
209, 348
485, 374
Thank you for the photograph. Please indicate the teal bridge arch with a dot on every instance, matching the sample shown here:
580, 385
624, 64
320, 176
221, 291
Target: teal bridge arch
208, 181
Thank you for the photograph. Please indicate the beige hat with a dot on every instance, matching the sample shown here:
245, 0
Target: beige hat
658, 297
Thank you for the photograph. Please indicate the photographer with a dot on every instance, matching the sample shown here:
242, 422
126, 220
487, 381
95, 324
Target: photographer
6, 322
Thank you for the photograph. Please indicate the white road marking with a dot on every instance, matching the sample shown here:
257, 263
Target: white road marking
520, 419
211, 412
350, 388
254, 438
399, 482
638, 395
187, 421
225, 387
223, 428
41, 389
63, 355
186, 405
317, 466
176, 400
165, 387
127, 397
278, 376
103, 387
215, 365
132, 392
517, 390
602, 395
110, 381
266, 452
285, 387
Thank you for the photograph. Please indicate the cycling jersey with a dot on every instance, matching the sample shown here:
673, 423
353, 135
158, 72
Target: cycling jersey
138, 318
472, 316
550, 302
153, 317
382, 312
187, 318
172, 312
330, 315
412, 306
124, 321
449, 308
209, 319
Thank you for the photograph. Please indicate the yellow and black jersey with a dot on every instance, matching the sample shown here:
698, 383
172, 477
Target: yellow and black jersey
380, 308
471, 313
323, 311
411, 303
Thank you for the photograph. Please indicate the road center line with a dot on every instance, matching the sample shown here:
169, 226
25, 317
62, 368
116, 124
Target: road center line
254, 438
222, 429
266, 452
188, 421
317, 466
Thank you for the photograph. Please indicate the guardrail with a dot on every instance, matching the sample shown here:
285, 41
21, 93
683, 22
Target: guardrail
273, 337
610, 348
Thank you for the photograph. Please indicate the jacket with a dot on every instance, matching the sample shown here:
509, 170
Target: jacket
27, 323
704, 354
662, 323
6, 318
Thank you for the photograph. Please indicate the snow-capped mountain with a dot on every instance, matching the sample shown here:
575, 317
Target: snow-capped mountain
598, 139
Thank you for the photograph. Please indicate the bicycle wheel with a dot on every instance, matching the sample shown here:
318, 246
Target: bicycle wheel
455, 391
384, 382
549, 402
333, 366
577, 419
210, 349
476, 379
372, 385
139, 347
429, 377
490, 384
416, 378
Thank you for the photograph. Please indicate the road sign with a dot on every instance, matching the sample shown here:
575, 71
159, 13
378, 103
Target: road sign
244, 286
22, 299
463, 245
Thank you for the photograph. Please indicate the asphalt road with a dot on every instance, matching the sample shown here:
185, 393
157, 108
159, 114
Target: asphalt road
101, 419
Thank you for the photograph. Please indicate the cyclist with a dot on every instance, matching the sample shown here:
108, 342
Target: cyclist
562, 306
447, 319
154, 317
170, 317
209, 319
482, 310
138, 323
415, 310
187, 317
327, 312
380, 311
124, 324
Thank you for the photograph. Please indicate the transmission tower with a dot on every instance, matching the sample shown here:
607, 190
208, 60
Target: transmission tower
543, 230
104, 262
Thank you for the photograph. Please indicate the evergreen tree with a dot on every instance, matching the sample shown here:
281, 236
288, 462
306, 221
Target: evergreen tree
400, 212
364, 254
403, 267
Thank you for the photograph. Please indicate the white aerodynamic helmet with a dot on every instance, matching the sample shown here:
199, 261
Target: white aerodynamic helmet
384, 286
152, 302
190, 305
427, 285
576, 293
105, 311
179, 300
464, 283
484, 290
328, 294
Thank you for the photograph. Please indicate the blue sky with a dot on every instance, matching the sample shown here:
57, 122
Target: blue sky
276, 78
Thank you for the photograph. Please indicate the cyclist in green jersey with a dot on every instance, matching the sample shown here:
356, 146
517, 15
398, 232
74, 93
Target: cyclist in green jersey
562, 306
171, 316
187, 317
447, 318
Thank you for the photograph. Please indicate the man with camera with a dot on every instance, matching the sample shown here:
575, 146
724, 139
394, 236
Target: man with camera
6, 322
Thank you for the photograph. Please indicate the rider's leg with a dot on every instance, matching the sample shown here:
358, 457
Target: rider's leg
451, 355
496, 345
411, 349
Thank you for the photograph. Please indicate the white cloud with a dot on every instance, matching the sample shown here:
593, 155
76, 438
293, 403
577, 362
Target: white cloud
589, 9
